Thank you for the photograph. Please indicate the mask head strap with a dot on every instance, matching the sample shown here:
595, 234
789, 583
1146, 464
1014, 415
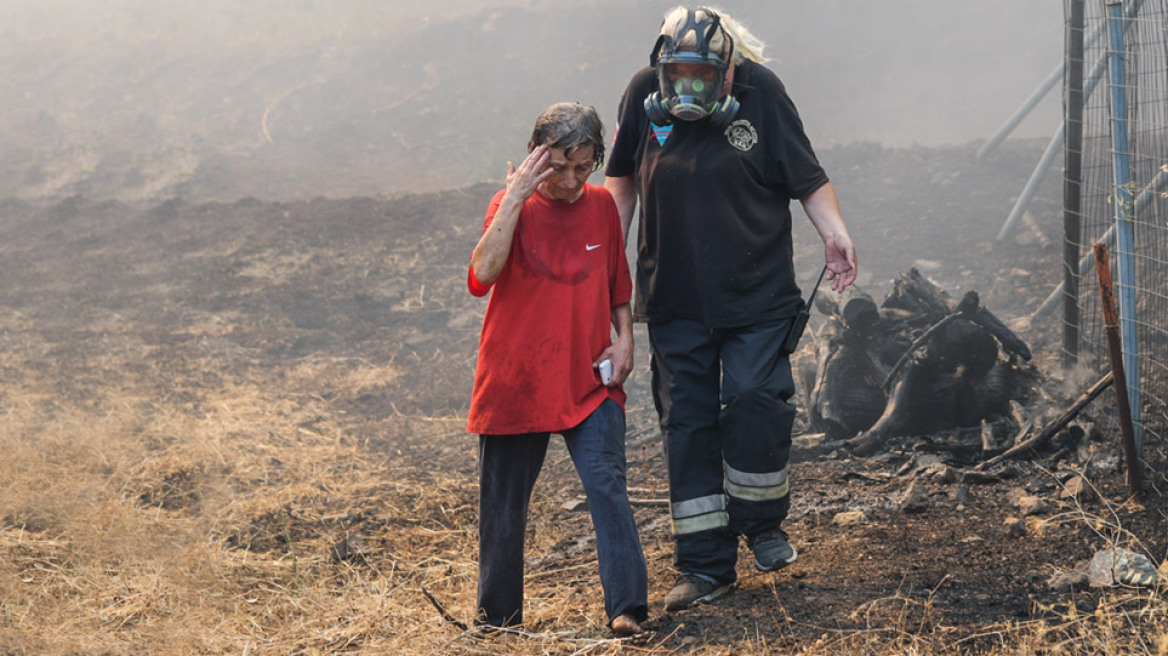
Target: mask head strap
704, 31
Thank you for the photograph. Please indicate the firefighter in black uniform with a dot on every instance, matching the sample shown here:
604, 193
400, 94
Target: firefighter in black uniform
714, 149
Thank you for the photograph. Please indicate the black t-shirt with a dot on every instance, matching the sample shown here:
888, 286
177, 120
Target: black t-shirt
715, 218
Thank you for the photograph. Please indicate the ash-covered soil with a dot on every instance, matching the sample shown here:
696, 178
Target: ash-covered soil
174, 302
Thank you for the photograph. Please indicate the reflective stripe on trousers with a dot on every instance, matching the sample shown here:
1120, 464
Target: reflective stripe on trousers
701, 514
709, 512
769, 486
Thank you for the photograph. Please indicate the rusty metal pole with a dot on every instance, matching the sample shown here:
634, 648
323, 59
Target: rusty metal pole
1115, 348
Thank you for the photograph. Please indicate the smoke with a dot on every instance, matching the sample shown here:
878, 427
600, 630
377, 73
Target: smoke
142, 100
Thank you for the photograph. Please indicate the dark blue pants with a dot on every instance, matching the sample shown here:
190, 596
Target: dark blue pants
723, 400
508, 468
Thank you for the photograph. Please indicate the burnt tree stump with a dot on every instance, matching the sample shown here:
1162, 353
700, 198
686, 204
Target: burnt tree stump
921, 363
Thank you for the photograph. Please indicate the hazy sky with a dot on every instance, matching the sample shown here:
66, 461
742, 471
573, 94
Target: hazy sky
944, 69
395, 79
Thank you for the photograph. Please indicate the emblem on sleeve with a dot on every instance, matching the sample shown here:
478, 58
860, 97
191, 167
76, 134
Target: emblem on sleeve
742, 135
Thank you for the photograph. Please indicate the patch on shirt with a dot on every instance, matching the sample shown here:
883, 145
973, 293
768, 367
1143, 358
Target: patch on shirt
742, 135
662, 132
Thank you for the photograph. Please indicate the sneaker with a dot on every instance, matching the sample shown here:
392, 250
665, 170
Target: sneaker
771, 550
693, 590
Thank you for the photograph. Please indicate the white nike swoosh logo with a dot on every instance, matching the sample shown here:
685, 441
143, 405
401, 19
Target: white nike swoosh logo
591, 247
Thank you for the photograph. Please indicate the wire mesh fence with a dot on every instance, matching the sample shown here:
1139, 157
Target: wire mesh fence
1116, 193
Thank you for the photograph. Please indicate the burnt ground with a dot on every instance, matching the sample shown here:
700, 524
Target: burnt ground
176, 303
235, 375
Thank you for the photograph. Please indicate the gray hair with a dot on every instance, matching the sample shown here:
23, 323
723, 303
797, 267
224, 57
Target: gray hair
570, 125
746, 45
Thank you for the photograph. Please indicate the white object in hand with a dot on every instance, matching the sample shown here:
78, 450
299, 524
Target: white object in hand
605, 371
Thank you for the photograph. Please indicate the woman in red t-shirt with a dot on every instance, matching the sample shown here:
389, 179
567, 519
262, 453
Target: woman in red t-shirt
552, 258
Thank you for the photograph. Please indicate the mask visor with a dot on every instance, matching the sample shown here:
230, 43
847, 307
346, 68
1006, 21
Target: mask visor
690, 92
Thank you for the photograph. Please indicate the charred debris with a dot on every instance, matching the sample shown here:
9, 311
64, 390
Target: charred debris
928, 372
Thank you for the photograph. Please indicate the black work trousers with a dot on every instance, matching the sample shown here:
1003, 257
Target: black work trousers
722, 396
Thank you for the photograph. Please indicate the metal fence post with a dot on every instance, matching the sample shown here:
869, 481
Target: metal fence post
1073, 184
1122, 195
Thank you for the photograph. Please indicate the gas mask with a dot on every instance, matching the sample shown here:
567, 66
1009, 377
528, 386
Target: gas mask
690, 81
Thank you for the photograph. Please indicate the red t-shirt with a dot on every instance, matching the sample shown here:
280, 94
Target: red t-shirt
549, 316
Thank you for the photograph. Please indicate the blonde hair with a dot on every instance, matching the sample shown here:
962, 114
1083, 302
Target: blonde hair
746, 45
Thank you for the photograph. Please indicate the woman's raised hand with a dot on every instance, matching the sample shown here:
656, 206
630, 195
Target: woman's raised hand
533, 170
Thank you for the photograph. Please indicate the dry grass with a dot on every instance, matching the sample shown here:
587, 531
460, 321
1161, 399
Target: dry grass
224, 521
174, 487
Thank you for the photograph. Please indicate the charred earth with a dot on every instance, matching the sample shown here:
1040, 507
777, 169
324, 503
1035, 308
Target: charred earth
239, 425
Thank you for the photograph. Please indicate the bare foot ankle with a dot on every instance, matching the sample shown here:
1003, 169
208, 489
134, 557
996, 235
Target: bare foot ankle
625, 625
